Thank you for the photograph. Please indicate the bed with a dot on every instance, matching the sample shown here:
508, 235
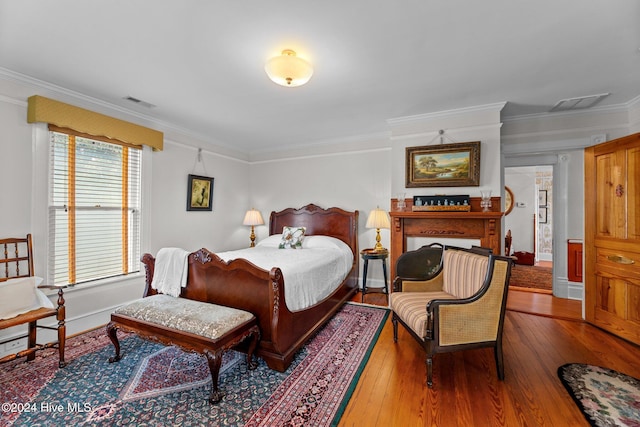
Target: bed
241, 284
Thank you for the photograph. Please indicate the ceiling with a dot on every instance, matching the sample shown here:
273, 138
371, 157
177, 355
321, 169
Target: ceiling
200, 63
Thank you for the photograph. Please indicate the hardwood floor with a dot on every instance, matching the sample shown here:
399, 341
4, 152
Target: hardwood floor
544, 304
466, 390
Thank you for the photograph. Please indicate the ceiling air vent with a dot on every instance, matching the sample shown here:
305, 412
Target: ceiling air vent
578, 103
139, 102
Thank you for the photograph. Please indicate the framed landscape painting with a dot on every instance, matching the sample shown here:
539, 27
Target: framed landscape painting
444, 165
199, 193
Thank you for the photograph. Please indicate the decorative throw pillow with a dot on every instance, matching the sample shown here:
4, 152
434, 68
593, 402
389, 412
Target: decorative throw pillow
292, 237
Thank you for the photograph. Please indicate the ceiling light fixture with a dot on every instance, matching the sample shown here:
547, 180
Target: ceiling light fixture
288, 69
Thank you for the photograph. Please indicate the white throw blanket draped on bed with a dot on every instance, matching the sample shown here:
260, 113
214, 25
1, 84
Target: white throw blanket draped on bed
310, 274
171, 270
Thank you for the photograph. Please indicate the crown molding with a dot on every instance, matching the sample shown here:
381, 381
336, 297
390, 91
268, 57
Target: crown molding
634, 103
170, 130
492, 108
618, 108
14, 101
433, 135
326, 147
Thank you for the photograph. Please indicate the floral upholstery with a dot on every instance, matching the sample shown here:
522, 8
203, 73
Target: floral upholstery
200, 318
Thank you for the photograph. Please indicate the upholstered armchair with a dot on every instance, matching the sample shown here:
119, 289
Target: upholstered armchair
461, 308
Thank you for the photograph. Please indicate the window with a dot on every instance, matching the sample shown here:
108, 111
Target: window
94, 208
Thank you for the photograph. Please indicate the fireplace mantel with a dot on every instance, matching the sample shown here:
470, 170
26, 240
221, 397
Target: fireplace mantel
476, 224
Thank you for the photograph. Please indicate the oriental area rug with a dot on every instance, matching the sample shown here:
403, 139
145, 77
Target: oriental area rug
159, 385
605, 397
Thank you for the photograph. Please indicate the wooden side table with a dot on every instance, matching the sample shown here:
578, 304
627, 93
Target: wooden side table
371, 254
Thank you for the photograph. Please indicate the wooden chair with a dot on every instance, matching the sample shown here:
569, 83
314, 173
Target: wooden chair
22, 301
508, 240
461, 308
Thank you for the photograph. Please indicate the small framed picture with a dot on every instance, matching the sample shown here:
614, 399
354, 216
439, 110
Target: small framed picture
542, 197
542, 215
200, 193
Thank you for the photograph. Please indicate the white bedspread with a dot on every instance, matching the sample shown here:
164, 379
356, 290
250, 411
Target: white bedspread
310, 274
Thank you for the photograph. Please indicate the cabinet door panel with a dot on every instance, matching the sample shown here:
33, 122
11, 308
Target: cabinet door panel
620, 262
611, 295
632, 193
633, 303
609, 218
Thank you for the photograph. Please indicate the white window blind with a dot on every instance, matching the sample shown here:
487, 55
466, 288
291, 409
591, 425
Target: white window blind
94, 209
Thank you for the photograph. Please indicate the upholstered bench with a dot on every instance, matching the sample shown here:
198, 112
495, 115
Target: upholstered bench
201, 327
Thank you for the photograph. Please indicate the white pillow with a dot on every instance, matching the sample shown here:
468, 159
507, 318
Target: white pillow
322, 242
21, 295
272, 241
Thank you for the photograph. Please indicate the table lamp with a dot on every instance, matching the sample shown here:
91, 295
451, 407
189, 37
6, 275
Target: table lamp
253, 218
378, 219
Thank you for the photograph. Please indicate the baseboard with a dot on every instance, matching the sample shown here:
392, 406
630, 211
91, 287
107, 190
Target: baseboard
75, 326
563, 288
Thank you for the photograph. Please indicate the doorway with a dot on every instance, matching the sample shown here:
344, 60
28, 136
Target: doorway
567, 214
531, 225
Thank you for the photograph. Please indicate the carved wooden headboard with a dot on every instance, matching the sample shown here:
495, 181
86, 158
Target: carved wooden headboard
334, 222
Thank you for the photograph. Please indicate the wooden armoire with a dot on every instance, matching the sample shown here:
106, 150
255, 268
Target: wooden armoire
612, 236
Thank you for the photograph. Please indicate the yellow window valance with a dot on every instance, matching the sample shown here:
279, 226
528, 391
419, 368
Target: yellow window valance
41, 109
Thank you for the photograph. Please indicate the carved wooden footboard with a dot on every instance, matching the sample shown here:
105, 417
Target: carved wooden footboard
242, 285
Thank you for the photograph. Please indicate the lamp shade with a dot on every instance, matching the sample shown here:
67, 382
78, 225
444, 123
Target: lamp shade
378, 219
252, 217
288, 69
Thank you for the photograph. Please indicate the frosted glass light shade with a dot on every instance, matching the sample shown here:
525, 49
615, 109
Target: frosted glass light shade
288, 69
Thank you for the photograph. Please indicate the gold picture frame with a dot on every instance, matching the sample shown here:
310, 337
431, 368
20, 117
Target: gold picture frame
444, 165
200, 193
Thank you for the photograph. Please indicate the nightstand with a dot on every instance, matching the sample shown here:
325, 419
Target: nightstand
371, 254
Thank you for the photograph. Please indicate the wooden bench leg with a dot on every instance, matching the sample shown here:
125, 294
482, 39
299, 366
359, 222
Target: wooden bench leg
112, 331
255, 337
215, 359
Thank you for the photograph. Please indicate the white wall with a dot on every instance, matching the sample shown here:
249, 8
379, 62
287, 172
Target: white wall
521, 181
559, 140
24, 178
481, 123
357, 173
15, 169
352, 180
171, 225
